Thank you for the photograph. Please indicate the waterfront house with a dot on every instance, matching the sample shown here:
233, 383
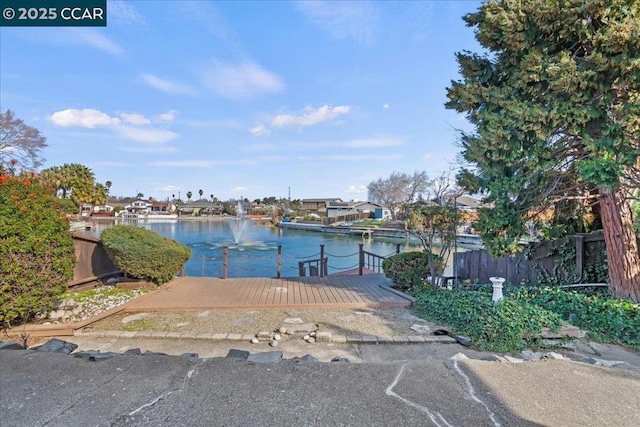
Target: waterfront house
318, 206
375, 210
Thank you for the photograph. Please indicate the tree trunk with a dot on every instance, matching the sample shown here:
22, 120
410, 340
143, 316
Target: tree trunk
622, 245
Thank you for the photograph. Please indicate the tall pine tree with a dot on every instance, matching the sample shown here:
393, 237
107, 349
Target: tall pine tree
555, 100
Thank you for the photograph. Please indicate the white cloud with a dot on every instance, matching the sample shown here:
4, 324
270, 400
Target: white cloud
239, 188
385, 106
92, 38
87, 118
90, 118
310, 116
427, 157
168, 86
356, 189
147, 135
259, 130
135, 119
341, 20
123, 12
240, 81
169, 116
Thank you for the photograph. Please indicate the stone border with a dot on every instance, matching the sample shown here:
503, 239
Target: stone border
323, 337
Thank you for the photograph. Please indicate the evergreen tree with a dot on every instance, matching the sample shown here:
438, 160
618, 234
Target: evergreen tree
555, 102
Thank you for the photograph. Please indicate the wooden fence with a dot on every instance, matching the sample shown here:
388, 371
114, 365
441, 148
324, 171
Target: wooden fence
92, 262
578, 259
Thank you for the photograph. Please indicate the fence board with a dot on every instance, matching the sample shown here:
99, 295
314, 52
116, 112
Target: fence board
478, 265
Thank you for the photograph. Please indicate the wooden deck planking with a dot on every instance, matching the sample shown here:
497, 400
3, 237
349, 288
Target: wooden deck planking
193, 293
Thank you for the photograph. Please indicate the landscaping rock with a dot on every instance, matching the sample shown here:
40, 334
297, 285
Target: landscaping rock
7, 345
420, 328
282, 330
277, 337
513, 359
338, 359
491, 358
133, 352
55, 345
153, 353
273, 343
189, 355
94, 355
293, 321
553, 355
532, 355
307, 358
266, 357
237, 354
255, 341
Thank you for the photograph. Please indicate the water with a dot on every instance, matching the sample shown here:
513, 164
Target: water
255, 253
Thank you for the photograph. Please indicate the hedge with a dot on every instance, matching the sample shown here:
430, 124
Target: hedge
36, 250
143, 254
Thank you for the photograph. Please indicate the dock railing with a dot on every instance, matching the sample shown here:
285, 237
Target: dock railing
371, 261
313, 265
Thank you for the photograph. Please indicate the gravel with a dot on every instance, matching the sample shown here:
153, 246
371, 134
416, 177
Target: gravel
373, 321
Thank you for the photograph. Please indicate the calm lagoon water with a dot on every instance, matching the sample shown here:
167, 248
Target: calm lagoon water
256, 253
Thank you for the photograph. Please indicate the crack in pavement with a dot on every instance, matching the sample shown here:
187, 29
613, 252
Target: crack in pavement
81, 399
389, 392
185, 382
473, 395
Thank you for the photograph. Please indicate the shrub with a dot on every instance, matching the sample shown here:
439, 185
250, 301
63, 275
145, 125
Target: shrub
37, 256
606, 319
143, 254
409, 270
504, 326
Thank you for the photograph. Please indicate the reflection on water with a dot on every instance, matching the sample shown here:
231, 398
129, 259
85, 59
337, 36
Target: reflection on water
256, 253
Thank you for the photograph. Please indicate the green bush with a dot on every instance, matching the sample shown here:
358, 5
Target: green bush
143, 254
36, 250
502, 327
606, 319
408, 270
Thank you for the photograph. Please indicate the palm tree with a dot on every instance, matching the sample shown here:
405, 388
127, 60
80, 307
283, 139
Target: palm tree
189, 194
201, 193
98, 197
139, 196
78, 180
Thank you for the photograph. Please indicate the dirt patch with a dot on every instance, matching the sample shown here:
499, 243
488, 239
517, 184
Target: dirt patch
132, 284
378, 321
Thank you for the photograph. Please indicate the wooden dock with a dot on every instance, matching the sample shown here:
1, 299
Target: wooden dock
334, 291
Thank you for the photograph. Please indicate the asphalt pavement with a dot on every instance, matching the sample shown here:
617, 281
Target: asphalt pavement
404, 385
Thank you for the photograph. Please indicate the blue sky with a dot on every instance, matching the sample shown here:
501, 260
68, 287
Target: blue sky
244, 98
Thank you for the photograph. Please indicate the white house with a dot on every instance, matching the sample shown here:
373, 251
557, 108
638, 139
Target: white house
345, 208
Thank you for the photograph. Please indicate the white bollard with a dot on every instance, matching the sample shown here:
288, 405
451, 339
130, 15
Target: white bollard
497, 288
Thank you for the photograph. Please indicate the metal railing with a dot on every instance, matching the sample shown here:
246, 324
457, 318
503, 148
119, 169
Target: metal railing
315, 265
